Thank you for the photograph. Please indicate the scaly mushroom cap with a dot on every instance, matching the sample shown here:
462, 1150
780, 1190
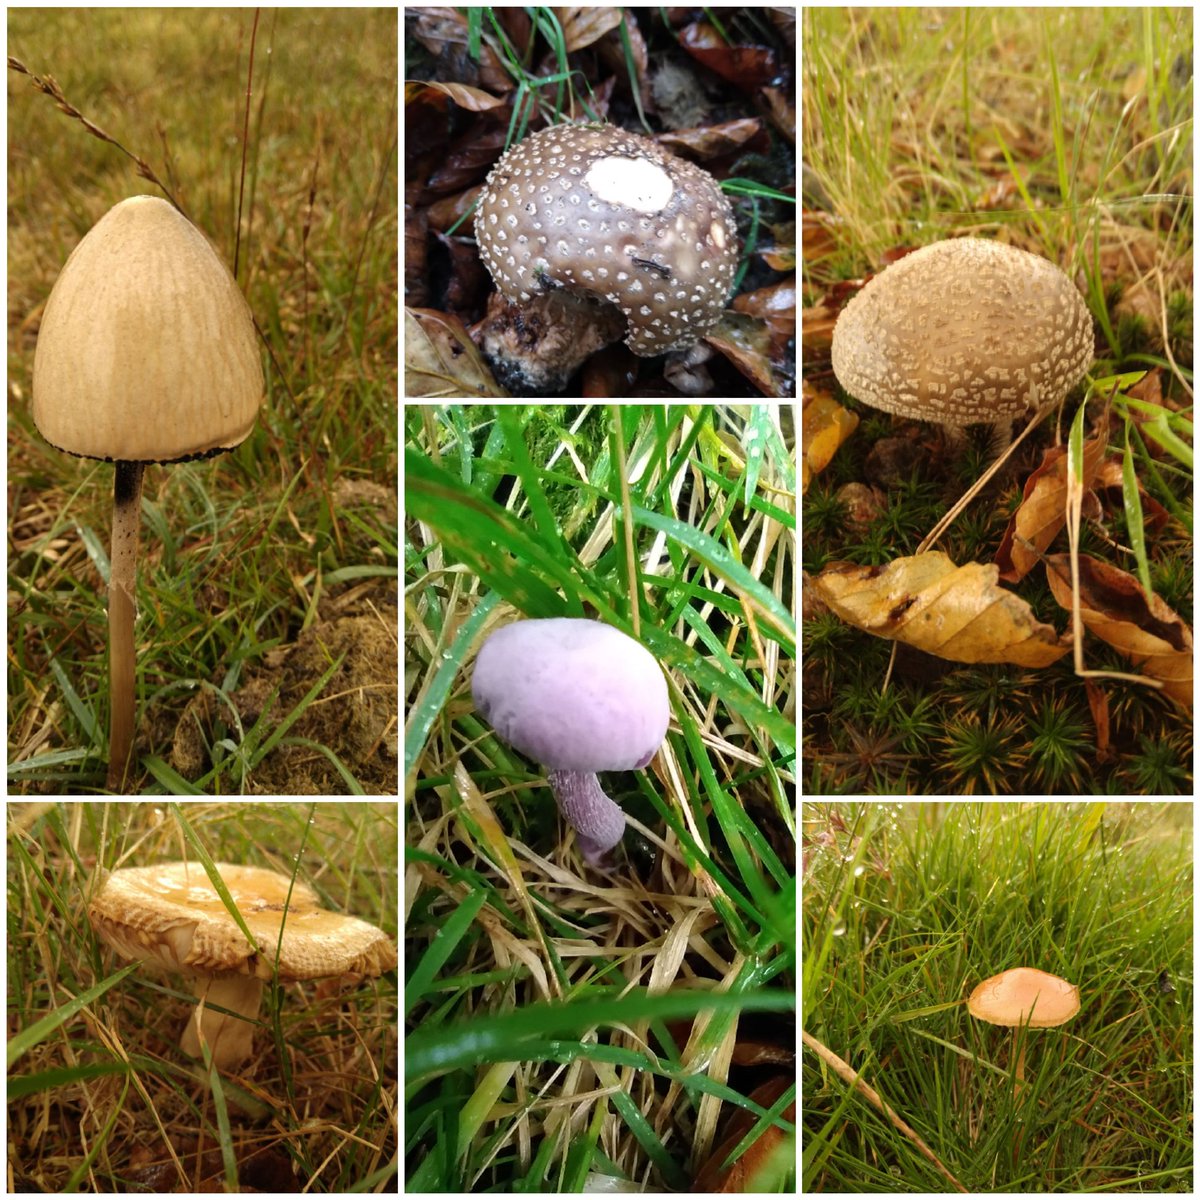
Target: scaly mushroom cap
147, 350
962, 332
1010, 997
612, 215
573, 695
171, 915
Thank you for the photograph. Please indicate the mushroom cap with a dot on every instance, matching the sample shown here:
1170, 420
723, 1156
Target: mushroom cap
960, 332
147, 350
611, 214
171, 915
572, 694
1010, 997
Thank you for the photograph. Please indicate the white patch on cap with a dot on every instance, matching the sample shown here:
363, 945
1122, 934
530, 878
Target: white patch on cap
635, 183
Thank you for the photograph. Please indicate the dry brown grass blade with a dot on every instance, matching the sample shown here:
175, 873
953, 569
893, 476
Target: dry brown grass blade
48, 86
847, 1073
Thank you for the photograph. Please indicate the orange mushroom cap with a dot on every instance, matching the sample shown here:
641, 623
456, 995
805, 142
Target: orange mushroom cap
1024, 995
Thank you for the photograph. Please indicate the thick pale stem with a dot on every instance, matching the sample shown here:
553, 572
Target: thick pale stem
597, 820
229, 1038
122, 606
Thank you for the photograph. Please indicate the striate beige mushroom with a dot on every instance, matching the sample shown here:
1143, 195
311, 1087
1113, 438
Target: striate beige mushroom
617, 223
171, 916
964, 332
146, 353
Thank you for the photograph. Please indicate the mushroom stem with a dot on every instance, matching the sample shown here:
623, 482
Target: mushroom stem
229, 1039
1020, 1080
596, 819
122, 603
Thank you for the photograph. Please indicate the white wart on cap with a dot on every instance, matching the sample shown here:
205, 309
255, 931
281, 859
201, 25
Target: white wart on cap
611, 215
962, 332
171, 915
147, 350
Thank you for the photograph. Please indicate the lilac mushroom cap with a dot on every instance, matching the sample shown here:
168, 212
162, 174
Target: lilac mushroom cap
578, 697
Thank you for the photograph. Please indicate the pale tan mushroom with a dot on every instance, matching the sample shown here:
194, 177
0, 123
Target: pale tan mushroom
1024, 996
963, 332
170, 915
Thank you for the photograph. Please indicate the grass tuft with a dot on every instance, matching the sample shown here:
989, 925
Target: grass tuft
908, 906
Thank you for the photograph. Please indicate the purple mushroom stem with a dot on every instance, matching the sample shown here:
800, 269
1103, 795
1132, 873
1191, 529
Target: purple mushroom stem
597, 820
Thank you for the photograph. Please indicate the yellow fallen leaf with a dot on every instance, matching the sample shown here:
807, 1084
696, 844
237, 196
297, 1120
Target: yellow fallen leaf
826, 426
959, 613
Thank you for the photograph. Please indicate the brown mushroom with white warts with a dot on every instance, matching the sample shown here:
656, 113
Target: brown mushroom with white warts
146, 354
171, 916
964, 332
624, 234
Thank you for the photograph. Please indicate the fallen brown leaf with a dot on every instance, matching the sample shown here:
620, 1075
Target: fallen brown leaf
440, 359
711, 141
1114, 608
816, 327
818, 237
445, 33
1043, 510
782, 110
469, 98
1110, 479
583, 25
1097, 699
774, 305
714, 1176
748, 67
747, 344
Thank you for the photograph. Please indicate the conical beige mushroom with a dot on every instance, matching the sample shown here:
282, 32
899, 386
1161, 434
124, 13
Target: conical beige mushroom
146, 353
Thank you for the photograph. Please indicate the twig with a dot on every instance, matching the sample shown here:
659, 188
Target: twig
846, 1072
237, 240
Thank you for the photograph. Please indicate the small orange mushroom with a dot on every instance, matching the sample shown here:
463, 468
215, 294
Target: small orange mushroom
1024, 996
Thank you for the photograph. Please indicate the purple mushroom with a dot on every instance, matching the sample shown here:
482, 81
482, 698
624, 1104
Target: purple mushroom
578, 697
